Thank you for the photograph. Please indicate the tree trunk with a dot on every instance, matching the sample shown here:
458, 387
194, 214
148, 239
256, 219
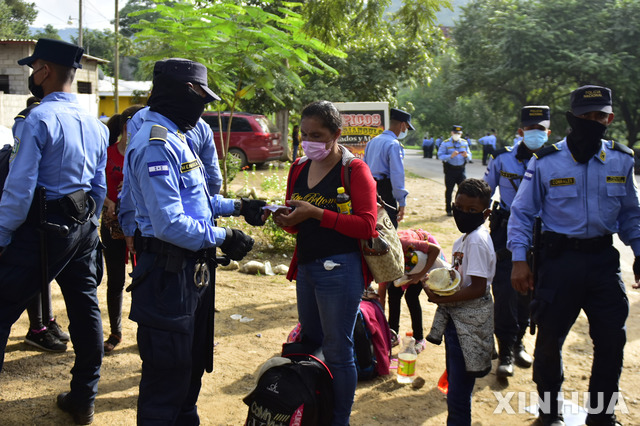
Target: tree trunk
282, 121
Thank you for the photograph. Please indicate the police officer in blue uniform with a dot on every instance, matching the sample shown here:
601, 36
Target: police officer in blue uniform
454, 153
63, 149
488, 143
427, 147
584, 191
172, 288
384, 155
505, 171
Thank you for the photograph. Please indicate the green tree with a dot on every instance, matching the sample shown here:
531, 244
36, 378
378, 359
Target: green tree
536, 52
48, 32
15, 18
244, 47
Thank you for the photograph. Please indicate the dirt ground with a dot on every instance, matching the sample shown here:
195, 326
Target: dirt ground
31, 379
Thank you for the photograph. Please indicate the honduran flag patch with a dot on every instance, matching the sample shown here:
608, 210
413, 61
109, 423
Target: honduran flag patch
158, 168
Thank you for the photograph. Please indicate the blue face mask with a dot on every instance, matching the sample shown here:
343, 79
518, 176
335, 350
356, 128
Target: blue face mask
402, 135
534, 139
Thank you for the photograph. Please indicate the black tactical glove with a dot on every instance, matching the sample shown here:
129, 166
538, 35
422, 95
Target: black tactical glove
252, 211
237, 244
636, 266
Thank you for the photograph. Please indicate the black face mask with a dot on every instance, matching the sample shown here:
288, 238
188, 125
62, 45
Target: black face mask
585, 139
35, 89
176, 101
523, 153
467, 222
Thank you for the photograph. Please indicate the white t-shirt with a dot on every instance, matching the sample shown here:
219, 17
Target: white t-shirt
473, 255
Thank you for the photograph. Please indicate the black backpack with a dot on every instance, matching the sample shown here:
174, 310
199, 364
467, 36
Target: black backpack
296, 391
364, 354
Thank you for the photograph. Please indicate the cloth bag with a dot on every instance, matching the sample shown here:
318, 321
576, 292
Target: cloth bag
383, 254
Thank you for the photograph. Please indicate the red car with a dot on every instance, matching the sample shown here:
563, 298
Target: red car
254, 138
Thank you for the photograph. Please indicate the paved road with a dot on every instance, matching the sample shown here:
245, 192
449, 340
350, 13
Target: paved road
431, 168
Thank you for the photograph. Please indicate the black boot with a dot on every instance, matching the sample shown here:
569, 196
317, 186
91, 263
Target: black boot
505, 354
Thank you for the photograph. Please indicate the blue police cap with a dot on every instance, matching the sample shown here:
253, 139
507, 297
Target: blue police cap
188, 71
456, 128
591, 98
56, 51
535, 114
402, 116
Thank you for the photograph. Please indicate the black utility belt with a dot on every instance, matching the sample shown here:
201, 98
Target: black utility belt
451, 166
156, 246
555, 241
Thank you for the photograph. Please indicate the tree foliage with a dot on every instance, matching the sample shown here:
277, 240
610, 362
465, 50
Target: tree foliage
15, 18
48, 32
536, 52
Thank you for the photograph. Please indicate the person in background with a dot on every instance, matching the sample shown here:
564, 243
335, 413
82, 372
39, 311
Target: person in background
328, 266
506, 171
583, 189
488, 143
437, 144
384, 155
115, 249
454, 153
466, 317
295, 137
62, 148
427, 147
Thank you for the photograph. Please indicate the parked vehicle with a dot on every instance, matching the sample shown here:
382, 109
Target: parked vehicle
254, 138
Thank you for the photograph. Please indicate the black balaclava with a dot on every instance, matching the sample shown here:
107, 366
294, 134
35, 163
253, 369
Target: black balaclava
585, 138
176, 101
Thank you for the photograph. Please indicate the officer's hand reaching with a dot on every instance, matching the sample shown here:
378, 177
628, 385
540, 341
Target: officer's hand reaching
253, 213
521, 277
237, 244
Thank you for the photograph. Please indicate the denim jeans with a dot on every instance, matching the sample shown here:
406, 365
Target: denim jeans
328, 302
460, 382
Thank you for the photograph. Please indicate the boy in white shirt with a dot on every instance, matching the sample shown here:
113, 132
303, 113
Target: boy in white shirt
465, 318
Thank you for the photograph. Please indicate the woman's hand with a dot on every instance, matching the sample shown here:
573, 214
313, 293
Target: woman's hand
301, 211
433, 298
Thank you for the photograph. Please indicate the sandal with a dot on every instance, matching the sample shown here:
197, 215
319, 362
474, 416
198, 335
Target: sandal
111, 343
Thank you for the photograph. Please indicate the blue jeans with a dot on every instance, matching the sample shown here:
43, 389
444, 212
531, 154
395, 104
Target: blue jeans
460, 382
328, 302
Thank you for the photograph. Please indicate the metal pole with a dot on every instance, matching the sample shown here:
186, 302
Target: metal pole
80, 23
116, 64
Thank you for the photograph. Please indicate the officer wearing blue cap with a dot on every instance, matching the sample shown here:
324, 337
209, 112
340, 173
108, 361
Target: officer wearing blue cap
454, 153
583, 189
384, 154
505, 171
488, 143
172, 289
63, 149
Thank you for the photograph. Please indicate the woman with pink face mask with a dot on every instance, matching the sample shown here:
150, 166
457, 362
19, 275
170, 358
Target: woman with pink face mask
327, 264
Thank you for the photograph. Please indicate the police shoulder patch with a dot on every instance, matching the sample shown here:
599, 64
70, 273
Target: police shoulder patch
158, 133
501, 151
622, 148
546, 151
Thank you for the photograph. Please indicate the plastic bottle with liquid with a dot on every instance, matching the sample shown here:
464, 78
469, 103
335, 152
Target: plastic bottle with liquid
343, 201
407, 359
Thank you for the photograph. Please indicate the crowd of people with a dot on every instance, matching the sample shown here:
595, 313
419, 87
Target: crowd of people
152, 176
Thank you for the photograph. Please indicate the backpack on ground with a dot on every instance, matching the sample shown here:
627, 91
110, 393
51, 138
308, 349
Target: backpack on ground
371, 340
295, 389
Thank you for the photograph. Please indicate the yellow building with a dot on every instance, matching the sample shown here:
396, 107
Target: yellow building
129, 93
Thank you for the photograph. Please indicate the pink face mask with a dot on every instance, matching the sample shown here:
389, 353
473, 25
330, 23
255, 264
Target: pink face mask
316, 150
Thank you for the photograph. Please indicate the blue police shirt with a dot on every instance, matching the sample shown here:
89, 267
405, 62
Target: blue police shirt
578, 200
384, 155
167, 185
61, 147
488, 140
449, 146
505, 171
427, 142
201, 137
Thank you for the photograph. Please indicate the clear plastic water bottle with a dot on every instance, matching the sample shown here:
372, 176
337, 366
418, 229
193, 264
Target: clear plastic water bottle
407, 359
343, 201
